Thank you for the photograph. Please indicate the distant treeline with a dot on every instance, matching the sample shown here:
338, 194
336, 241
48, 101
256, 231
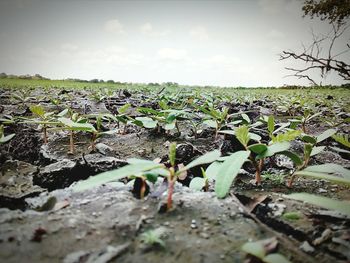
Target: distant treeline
27, 76
167, 84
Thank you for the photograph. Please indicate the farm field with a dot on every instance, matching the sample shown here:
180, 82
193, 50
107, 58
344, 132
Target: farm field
121, 172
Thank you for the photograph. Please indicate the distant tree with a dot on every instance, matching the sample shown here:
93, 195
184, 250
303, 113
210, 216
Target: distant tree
37, 76
110, 81
3, 75
94, 81
27, 76
320, 54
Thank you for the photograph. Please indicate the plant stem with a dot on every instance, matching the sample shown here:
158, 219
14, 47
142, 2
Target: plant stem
171, 182
177, 127
258, 171
291, 180
143, 188
93, 142
71, 142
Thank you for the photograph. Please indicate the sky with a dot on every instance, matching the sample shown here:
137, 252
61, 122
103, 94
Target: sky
199, 42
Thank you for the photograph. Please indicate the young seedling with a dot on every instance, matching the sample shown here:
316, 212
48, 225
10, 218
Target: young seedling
44, 119
22, 96
305, 119
199, 183
258, 151
167, 118
153, 238
215, 118
122, 117
97, 132
175, 172
73, 124
149, 170
310, 149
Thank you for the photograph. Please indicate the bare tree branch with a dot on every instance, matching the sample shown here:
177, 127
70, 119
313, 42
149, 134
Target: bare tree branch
312, 56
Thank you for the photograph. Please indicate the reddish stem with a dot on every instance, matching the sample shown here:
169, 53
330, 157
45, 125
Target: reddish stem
170, 194
143, 189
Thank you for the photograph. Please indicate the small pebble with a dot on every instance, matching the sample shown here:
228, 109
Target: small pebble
204, 235
193, 224
321, 191
306, 247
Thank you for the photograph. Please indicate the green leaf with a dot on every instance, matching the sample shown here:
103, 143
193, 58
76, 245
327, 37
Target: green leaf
7, 138
254, 248
258, 148
342, 139
273, 149
76, 126
124, 108
114, 175
37, 110
275, 258
138, 161
172, 153
339, 150
62, 113
245, 117
228, 171
331, 168
209, 157
317, 150
254, 137
309, 139
147, 122
213, 170
287, 136
169, 126
148, 111
292, 216
325, 202
211, 123
282, 126
271, 124
163, 104
197, 183
242, 134
326, 134
170, 118
295, 158
152, 177
325, 176
307, 150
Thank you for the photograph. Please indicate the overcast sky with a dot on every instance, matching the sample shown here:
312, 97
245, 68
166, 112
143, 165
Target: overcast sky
223, 43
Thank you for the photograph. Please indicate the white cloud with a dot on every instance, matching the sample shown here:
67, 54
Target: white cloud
148, 30
113, 26
172, 54
200, 33
69, 47
225, 63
